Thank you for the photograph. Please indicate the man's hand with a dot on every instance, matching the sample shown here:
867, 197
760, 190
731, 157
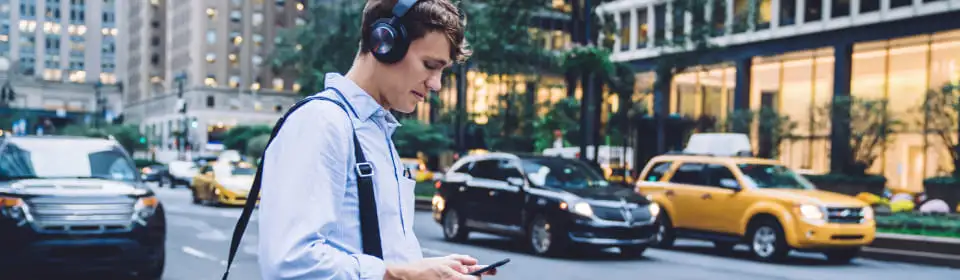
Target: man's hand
452, 267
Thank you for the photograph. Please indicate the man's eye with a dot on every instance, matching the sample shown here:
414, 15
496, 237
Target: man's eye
431, 66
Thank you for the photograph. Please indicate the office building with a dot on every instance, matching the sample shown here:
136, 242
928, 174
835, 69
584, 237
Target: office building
796, 55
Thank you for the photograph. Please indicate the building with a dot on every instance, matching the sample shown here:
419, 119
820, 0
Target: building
215, 51
796, 55
55, 73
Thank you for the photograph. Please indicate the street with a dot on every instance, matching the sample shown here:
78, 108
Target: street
199, 238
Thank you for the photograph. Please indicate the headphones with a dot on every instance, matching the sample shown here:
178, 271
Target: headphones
388, 37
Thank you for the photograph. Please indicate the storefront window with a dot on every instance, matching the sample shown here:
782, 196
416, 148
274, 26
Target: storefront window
706, 91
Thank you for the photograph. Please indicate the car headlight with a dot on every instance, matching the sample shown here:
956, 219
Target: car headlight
654, 210
144, 208
811, 212
868, 213
12, 207
582, 208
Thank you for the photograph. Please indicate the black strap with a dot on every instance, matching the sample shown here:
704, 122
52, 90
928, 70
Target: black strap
369, 223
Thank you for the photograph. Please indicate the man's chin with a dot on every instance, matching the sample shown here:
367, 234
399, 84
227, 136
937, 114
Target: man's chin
406, 110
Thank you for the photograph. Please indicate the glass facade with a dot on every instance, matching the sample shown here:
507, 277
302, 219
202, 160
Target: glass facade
799, 84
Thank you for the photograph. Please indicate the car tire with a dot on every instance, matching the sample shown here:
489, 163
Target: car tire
153, 271
454, 228
633, 251
166, 181
767, 241
665, 235
843, 256
196, 199
545, 239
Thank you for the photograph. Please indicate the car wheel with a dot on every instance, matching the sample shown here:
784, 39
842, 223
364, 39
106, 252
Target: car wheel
842, 256
453, 226
632, 251
665, 235
767, 241
545, 238
196, 198
165, 181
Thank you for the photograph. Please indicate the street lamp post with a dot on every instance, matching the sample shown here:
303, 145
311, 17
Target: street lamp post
7, 94
181, 146
100, 109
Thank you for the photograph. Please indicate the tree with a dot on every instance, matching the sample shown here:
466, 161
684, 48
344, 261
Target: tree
775, 127
871, 125
255, 147
328, 42
562, 116
414, 136
239, 136
941, 109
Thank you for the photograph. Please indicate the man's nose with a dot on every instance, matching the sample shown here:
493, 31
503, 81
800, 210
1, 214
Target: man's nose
434, 82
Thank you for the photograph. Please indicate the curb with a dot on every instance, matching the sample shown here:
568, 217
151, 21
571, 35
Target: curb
937, 251
424, 204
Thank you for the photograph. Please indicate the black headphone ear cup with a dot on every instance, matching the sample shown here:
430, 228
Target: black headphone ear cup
388, 43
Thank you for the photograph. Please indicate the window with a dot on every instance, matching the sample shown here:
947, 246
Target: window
257, 19
155, 41
236, 16
212, 13
234, 81
210, 81
689, 173
715, 173
211, 57
657, 171
486, 169
44, 159
257, 60
210, 101
277, 83
211, 36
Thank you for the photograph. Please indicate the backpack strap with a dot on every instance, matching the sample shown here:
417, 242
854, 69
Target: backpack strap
369, 223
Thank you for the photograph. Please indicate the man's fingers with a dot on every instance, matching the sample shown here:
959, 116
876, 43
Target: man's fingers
479, 267
463, 259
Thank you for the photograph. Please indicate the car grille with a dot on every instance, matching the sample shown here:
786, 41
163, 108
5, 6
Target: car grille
81, 214
845, 215
640, 213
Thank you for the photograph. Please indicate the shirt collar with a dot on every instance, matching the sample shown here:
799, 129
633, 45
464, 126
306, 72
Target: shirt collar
359, 100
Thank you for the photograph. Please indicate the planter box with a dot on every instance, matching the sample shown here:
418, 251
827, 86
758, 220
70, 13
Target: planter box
849, 185
946, 189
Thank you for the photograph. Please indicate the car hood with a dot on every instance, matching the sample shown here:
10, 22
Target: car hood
611, 193
817, 197
73, 187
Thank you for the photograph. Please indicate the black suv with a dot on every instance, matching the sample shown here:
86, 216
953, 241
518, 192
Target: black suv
554, 203
76, 204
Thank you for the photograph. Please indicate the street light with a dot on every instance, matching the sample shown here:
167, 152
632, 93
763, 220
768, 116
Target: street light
6, 91
181, 146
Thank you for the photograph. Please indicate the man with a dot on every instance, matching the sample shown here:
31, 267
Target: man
309, 224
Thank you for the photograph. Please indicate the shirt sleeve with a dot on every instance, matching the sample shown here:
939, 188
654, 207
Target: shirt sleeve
303, 185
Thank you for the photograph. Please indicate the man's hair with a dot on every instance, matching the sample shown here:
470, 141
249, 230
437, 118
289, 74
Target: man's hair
425, 16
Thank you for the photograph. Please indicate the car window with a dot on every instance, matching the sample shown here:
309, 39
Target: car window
716, 172
769, 176
487, 169
508, 169
563, 174
465, 168
658, 171
50, 158
689, 173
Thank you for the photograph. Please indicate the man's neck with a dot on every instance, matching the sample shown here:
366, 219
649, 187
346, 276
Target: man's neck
362, 74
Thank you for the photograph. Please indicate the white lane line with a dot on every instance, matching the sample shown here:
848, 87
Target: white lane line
197, 253
434, 253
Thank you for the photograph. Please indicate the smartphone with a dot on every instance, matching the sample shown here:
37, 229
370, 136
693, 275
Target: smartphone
490, 267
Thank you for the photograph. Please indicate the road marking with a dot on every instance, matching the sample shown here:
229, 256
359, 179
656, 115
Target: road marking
212, 235
197, 253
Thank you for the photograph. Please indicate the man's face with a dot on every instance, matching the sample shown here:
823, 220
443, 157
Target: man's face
411, 80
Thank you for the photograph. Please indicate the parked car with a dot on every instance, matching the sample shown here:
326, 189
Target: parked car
76, 204
154, 173
731, 200
179, 173
556, 204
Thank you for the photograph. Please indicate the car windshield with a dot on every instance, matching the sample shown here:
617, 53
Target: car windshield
562, 173
768, 176
243, 171
56, 158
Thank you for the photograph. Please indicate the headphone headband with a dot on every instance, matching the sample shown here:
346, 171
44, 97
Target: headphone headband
402, 7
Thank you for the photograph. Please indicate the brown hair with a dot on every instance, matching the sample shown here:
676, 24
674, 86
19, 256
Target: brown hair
425, 16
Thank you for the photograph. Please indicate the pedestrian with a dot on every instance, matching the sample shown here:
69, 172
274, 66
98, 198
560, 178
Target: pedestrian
319, 216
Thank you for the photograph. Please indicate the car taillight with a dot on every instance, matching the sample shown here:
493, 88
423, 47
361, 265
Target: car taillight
436, 184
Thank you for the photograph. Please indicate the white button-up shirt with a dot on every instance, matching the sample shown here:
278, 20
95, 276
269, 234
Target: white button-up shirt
309, 218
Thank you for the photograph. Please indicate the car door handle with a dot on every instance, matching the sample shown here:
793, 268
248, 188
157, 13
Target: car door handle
463, 189
493, 193
669, 193
706, 196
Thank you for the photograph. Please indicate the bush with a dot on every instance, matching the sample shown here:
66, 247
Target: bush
913, 223
848, 184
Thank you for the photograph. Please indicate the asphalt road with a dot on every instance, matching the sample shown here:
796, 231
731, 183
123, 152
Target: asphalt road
199, 238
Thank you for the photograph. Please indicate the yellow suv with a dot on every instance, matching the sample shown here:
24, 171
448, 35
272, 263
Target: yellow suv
733, 200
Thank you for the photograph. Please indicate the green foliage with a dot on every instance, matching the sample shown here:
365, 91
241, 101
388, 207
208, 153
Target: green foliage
127, 135
944, 180
779, 126
581, 59
256, 146
238, 137
328, 42
424, 189
508, 127
872, 128
413, 136
940, 108
913, 223
562, 116
501, 39
836, 178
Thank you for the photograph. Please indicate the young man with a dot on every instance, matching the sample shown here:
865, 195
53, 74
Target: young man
309, 221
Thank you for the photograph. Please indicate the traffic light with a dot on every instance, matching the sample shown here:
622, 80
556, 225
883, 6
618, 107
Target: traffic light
143, 140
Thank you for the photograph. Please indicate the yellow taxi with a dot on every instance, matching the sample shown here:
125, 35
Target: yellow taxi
732, 200
418, 168
223, 183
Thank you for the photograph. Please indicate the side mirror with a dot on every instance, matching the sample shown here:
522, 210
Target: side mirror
515, 181
730, 184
